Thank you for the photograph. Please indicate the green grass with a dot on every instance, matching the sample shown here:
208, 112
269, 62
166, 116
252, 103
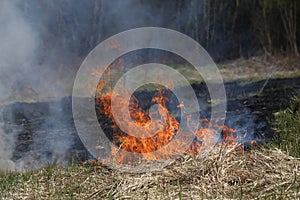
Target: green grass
287, 127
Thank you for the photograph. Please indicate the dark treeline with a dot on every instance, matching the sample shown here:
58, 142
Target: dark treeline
228, 29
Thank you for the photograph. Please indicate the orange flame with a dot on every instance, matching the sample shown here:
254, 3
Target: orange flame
114, 44
145, 147
154, 143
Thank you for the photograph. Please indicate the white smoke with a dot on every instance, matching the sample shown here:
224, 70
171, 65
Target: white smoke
23, 79
6, 151
18, 44
17, 48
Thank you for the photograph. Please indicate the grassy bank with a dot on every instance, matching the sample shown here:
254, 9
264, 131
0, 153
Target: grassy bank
260, 173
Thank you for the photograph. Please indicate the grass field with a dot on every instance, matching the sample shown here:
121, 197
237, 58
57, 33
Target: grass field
223, 174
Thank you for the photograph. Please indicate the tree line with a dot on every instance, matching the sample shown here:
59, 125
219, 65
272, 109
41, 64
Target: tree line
271, 26
228, 29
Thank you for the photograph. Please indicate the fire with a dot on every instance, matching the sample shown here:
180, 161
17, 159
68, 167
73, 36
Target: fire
152, 144
164, 129
253, 142
227, 136
114, 44
159, 127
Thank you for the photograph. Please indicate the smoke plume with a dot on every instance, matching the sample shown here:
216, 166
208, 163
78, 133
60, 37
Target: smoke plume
25, 77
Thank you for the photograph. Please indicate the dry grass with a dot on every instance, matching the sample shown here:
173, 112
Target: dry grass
260, 173
258, 68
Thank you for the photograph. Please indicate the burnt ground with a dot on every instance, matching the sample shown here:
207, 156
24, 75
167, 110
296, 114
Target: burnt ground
45, 129
267, 97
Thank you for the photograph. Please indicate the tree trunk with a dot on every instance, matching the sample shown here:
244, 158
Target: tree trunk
288, 13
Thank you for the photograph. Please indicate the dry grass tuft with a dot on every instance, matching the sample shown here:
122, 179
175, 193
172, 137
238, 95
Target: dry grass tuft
263, 173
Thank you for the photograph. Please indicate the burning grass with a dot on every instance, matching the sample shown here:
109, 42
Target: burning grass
155, 141
262, 173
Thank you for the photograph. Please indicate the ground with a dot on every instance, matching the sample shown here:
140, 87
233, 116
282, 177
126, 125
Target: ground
222, 174
265, 86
